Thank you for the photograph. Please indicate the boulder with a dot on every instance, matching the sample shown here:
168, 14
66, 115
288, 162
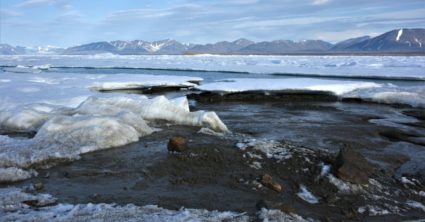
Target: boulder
268, 182
351, 166
177, 144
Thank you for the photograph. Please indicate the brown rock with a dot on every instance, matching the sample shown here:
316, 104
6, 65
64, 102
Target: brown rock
268, 182
177, 144
351, 166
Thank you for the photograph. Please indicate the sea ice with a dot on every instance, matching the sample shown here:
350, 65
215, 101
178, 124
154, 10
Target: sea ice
396, 67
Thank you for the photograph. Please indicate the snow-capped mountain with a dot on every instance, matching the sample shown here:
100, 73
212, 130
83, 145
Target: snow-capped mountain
49, 49
131, 47
395, 41
222, 47
399, 40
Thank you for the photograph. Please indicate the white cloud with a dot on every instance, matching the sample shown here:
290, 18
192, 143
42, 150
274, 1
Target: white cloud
35, 3
6, 14
320, 2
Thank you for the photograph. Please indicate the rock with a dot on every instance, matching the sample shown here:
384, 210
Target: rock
351, 166
177, 144
261, 204
38, 186
268, 182
32, 203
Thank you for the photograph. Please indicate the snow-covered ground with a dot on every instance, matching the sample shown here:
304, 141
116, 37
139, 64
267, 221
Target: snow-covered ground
398, 67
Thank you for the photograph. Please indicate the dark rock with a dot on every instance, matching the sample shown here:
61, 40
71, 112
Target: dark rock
261, 204
38, 186
268, 182
32, 203
351, 166
177, 144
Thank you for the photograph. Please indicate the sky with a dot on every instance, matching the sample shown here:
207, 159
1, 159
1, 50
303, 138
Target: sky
67, 23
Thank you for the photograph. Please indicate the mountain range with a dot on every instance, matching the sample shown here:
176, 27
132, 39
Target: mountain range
395, 41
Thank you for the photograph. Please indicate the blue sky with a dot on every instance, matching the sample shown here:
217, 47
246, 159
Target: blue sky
72, 22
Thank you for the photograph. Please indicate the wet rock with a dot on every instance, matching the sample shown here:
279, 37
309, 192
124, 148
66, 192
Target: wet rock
268, 182
177, 144
351, 166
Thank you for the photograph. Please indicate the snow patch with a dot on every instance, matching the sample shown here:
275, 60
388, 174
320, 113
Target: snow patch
13, 174
13, 199
279, 216
399, 34
416, 204
270, 148
307, 196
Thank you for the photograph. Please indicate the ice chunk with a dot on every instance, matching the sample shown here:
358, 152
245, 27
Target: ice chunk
90, 133
122, 81
182, 102
13, 199
23, 118
307, 195
279, 216
158, 108
13, 174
